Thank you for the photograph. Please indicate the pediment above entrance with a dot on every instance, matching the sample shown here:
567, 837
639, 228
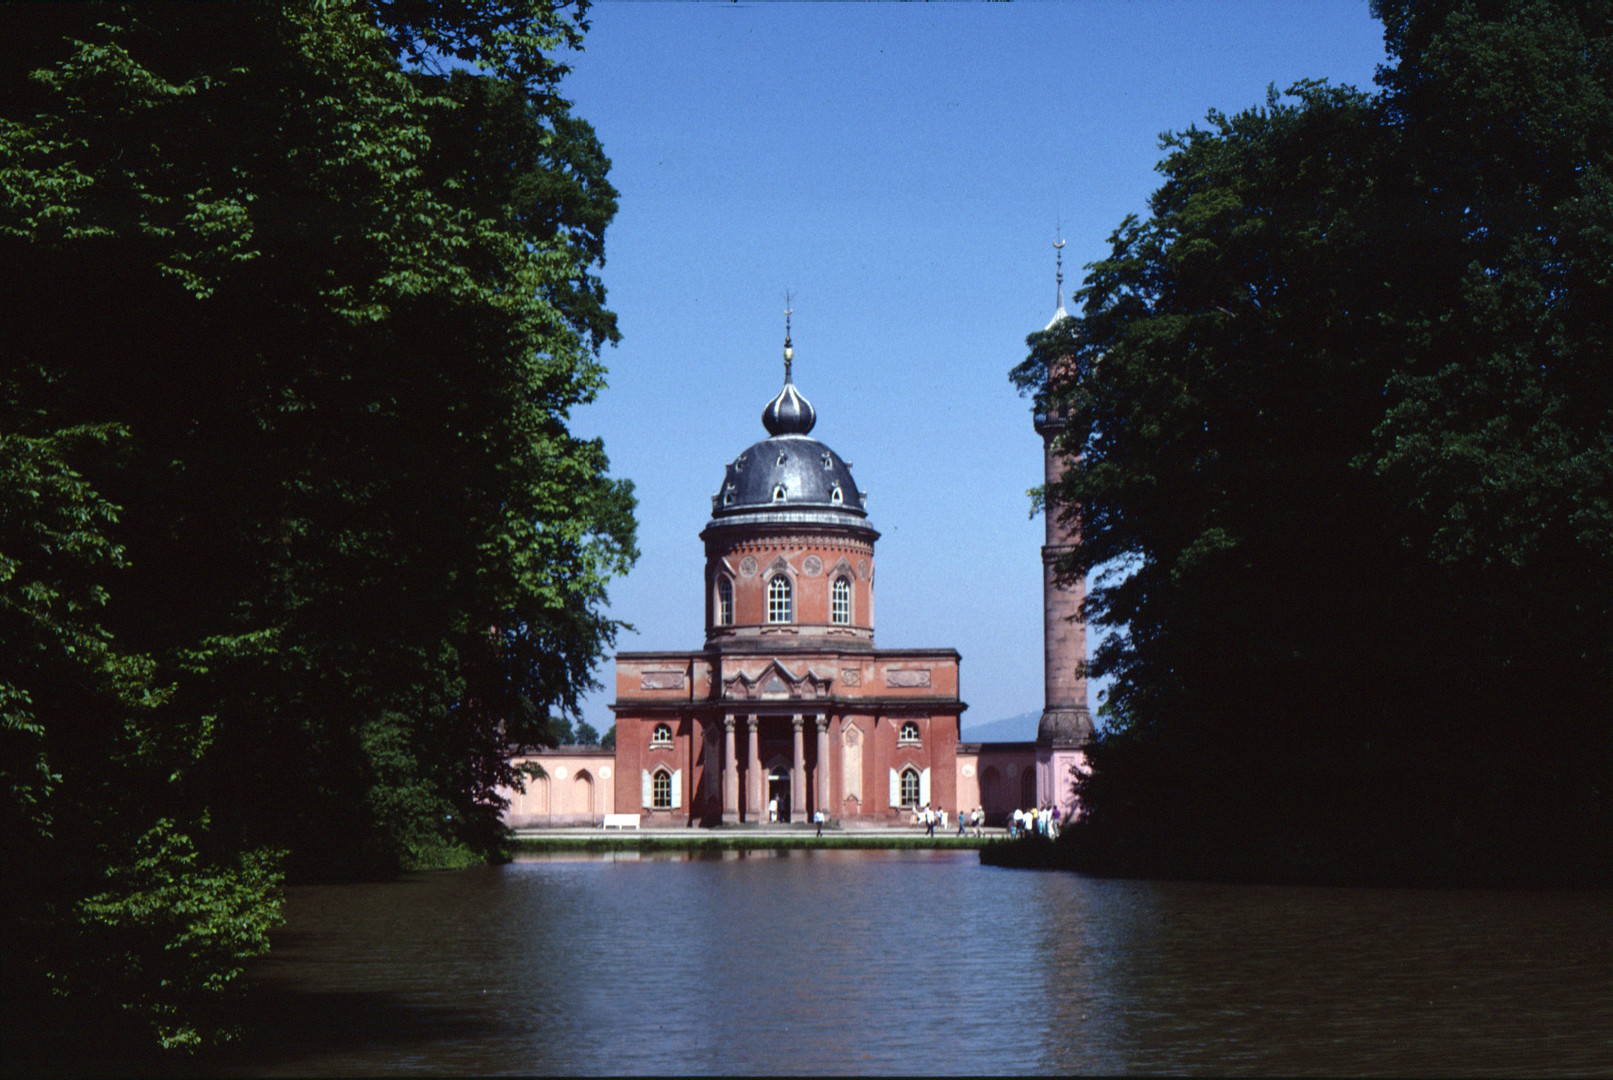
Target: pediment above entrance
775, 683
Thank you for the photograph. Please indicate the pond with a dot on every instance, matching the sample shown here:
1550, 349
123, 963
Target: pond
923, 962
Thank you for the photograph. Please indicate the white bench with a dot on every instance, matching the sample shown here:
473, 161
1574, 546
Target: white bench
621, 821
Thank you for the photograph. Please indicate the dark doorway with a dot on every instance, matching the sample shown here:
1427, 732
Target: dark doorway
778, 788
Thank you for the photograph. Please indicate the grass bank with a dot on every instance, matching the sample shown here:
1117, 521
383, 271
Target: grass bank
530, 845
1405, 860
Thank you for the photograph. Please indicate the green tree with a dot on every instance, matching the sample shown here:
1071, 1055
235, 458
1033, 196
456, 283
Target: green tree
337, 302
1499, 428
111, 917
1346, 434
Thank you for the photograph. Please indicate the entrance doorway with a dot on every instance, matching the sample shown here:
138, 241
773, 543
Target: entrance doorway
778, 794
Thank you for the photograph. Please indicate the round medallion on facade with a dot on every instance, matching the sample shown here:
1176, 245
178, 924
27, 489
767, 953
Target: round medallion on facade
812, 567
747, 566
560, 772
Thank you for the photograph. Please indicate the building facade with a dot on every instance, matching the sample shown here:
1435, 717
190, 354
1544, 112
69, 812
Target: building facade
789, 709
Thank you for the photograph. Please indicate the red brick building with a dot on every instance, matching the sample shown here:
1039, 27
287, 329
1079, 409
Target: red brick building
789, 708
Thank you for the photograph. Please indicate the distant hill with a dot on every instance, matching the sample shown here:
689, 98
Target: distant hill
1021, 728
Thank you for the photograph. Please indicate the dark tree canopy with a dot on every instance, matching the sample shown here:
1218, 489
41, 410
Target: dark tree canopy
1345, 401
295, 536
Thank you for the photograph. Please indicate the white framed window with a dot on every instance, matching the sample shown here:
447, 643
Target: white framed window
778, 493
840, 601
661, 790
836, 496
662, 735
909, 733
725, 602
778, 599
910, 786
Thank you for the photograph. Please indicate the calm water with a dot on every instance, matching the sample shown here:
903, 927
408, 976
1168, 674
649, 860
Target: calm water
926, 962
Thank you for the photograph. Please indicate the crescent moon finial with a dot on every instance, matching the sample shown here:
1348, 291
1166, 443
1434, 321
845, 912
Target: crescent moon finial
1058, 246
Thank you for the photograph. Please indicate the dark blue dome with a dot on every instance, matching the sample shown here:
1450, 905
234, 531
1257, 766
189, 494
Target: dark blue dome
789, 477
785, 473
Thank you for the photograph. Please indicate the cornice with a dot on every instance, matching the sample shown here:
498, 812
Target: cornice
787, 706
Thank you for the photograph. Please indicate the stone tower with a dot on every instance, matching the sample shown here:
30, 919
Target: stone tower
1066, 723
1065, 716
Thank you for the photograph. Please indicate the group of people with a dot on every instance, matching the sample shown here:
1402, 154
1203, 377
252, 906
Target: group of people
930, 817
1043, 822
934, 817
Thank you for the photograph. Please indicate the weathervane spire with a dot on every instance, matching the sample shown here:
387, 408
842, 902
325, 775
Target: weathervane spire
789, 351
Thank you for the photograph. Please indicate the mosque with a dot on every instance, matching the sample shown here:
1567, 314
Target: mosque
789, 708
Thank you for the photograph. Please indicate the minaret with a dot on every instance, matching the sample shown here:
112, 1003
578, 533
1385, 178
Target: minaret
1066, 720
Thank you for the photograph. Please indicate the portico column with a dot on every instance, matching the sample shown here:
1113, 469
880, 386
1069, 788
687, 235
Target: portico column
823, 764
798, 775
753, 781
730, 774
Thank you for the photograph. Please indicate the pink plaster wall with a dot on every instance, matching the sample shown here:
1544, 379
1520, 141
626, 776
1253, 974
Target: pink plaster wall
1055, 778
578, 789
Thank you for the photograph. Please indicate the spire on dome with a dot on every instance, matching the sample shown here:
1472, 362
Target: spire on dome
789, 413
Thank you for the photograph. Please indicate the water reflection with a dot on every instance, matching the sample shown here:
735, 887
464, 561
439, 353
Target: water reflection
924, 962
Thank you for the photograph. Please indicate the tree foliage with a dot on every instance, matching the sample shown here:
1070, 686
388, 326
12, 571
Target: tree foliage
295, 536
1346, 412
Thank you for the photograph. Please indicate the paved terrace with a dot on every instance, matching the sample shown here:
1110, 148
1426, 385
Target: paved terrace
804, 835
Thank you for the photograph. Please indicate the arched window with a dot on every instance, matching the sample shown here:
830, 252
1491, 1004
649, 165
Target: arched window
910, 786
840, 601
662, 735
836, 496
661, 790
725, 602
778, 493
778, 599
909, 733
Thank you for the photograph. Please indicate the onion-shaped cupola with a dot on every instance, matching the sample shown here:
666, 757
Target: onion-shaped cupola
789, 413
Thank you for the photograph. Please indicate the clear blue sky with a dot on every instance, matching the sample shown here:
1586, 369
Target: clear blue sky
901, 168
